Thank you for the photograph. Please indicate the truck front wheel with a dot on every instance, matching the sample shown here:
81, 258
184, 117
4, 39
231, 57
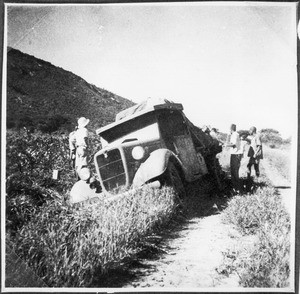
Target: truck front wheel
173, 179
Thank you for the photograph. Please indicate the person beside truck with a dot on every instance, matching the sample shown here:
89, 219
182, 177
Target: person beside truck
86, 189
255, 153
236, 154
214, 133
78, 144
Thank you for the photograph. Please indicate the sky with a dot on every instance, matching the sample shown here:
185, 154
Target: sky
225, 62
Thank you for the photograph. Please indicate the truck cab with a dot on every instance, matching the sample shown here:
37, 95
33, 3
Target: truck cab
148, 142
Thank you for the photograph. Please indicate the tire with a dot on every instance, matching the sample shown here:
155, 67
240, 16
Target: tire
173, 179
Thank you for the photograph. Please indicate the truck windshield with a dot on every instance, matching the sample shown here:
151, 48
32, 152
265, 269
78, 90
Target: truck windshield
143, 127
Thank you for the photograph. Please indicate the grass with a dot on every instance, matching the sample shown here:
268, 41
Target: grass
266, 262
249, 212
74, 247
30, 160
70, 247
18, 273
279, 159
65, 246
261, 255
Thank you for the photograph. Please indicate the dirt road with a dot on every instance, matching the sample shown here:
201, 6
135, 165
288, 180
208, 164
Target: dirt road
282, 185
191, 259
193, 253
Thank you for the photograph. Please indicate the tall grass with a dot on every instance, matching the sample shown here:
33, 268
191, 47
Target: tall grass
266, 263
69, 247
63, 245
30, 160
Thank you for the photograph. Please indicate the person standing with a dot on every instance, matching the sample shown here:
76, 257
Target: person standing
235, 157
255, 153
78, 143
214, 133
72, 146
85, 189
244, 144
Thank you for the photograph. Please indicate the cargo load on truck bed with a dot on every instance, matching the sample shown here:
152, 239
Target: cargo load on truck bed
200, 137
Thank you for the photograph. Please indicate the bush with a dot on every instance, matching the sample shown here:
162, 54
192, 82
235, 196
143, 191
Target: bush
30, 160
68, 247
243, 133
271, 137
53, 123
10, 123
23, 121
266, 263
247, 213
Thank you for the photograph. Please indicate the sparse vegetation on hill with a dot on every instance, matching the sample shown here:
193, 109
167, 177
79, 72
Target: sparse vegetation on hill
46, 98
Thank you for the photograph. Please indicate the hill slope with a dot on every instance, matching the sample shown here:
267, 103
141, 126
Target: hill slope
38, 91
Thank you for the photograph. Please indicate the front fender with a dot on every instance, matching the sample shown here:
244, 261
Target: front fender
154, 166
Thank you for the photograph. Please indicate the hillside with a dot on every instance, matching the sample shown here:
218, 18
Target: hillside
39, 93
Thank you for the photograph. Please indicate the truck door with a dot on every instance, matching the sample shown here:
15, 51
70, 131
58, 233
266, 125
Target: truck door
177, 138
194, 162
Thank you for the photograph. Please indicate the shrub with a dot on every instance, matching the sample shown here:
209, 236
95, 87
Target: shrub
271, 137
244, 133
10, 123
247, 213
53, 123
63, 245
266, 263
68, 247
23, 121
30, 160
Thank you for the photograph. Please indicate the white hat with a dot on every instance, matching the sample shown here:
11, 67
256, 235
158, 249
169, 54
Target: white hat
82, 122
84, 174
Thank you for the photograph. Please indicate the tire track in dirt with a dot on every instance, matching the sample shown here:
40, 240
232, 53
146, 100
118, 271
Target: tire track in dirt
191, 260
192, 253
282, 185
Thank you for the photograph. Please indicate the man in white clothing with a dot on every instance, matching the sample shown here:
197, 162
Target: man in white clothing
235, 157
78, 142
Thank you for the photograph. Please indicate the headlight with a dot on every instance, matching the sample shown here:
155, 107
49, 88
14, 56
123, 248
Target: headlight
138, 152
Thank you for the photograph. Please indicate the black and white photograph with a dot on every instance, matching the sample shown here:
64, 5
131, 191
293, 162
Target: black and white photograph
149, 146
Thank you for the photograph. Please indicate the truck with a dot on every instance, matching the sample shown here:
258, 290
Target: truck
153, 143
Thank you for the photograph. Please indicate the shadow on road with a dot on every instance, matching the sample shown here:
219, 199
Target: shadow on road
282, 187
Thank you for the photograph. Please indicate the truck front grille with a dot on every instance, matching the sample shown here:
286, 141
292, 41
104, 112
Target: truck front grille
111, 170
